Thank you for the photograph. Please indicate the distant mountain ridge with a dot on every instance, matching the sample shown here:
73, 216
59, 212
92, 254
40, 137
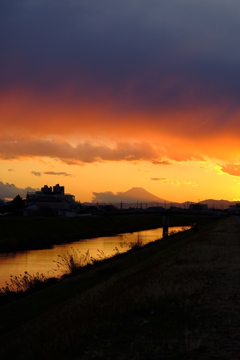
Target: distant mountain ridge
218, 204
140, 195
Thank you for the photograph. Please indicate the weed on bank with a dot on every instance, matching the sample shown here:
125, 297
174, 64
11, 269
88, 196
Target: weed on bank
72, 262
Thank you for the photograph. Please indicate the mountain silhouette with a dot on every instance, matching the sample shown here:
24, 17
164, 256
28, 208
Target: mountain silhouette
141, 195
218, 204
134, 195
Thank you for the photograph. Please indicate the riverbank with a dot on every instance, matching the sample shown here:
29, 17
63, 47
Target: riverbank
31, 233
173, 299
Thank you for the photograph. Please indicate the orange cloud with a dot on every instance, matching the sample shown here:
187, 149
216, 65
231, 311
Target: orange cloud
82, 153
231, 169
30, 121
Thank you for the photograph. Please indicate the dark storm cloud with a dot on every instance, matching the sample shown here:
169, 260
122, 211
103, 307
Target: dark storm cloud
146, 53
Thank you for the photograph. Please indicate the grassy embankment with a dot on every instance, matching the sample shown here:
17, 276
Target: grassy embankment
28, 233
175, 299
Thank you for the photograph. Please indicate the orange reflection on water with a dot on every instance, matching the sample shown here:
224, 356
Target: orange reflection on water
45, 261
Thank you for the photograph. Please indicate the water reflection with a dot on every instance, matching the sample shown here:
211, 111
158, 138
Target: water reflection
44, 261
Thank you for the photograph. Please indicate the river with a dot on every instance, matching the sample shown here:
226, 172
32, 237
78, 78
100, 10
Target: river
45, 261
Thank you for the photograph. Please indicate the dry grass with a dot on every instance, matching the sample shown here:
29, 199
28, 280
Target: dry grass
74, 260
181, 303
71, 263
22, 285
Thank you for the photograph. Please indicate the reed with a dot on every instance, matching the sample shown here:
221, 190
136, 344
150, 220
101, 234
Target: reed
18, 286
137, 244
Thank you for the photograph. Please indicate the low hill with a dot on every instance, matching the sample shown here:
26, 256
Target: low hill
218, 204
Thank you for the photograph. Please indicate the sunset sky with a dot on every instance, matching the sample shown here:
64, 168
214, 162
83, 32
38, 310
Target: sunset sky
103, 95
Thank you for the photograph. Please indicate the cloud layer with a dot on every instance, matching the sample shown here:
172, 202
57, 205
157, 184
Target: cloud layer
80, 154
159, 79
9, 191
61, 173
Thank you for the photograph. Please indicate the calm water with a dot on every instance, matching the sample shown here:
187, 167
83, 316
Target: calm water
44, 261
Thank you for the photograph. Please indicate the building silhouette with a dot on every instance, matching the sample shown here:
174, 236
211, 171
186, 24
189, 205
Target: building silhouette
50, 200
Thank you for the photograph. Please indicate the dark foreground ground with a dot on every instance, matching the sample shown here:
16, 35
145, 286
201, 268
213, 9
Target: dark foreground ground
176, 299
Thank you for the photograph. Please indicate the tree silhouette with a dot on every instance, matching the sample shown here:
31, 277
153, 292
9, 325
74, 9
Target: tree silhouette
18, 202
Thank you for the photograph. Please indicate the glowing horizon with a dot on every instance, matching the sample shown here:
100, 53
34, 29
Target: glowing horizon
121, 97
